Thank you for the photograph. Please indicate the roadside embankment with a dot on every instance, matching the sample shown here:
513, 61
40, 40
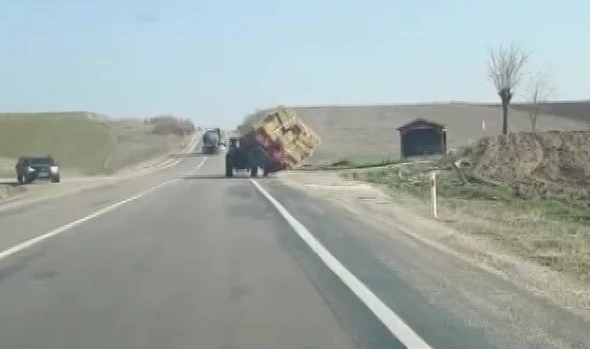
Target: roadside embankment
520, 201
87, 144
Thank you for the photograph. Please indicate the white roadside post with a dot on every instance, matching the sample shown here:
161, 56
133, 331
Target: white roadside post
433, 194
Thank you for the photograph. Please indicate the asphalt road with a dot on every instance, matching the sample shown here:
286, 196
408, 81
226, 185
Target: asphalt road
188, 259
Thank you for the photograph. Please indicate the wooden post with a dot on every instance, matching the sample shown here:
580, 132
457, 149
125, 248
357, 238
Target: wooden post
401, 146
433, 194
444, 141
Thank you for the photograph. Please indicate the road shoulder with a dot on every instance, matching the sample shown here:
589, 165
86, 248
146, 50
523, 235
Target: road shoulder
458, 253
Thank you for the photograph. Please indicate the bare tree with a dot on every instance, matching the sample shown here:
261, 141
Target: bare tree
538, 92
505, 69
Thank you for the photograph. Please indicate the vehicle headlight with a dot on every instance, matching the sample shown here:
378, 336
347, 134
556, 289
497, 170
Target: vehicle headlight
30, 169
54, 169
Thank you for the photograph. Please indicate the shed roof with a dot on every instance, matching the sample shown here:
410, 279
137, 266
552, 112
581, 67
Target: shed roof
421, 122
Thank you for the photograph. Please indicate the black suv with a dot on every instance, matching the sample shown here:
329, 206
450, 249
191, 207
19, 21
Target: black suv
29, 168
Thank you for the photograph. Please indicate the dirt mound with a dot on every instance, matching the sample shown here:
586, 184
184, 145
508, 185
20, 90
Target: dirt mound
549, 163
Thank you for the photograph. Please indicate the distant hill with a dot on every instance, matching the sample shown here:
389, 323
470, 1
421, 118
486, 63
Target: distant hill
67, 114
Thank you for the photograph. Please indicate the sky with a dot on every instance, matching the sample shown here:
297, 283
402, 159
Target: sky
216, 61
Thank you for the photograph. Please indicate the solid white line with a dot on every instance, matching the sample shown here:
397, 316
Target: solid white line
63, 228
169, 162
34, 241
393, 322
201, 163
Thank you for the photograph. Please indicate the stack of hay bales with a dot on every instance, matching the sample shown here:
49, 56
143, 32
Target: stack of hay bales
287, 132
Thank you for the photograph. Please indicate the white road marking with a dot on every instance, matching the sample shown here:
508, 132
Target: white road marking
191, 146
36, 240
393, 322
339, 187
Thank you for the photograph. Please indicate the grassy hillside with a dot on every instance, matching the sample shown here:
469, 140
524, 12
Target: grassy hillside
352, 132
76, 141
83, 143
137, 141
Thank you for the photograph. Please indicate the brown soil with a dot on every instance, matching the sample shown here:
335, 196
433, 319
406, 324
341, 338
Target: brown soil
552, 163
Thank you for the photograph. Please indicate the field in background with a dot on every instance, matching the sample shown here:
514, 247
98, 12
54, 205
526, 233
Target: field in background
361, 132
85, 143
577, 110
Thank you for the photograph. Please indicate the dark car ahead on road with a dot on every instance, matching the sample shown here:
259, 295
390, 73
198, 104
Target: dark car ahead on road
30, 168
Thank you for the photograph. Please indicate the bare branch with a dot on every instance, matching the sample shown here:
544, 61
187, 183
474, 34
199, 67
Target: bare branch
538, 92
505, 67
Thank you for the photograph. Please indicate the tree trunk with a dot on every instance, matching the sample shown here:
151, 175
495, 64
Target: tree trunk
505, 96
504, 117
534, 114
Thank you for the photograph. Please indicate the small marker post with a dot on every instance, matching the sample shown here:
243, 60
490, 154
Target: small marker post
433, 194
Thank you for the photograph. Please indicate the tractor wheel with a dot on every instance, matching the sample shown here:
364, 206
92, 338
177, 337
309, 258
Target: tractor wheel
229, 170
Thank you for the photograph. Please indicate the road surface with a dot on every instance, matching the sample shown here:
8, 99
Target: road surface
185, 258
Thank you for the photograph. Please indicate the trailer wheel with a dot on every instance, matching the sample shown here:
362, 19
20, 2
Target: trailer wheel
27, 179
265, 172
254, 171
229, 171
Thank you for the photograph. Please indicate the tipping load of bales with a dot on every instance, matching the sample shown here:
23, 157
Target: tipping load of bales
282, 135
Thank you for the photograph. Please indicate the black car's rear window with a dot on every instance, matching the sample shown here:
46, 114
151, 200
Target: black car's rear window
41, 161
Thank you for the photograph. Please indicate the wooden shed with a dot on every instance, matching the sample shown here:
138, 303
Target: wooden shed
422, 137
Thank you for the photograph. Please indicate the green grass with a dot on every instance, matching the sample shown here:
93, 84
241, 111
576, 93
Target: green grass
550, 231
73, 140
415, 180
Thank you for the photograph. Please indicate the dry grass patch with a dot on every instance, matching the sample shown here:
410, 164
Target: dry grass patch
353, 162
548, 231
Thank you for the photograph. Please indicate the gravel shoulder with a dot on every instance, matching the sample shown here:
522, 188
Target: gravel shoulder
504, 294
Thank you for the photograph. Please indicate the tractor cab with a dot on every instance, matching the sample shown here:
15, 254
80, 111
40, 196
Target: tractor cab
234, 142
